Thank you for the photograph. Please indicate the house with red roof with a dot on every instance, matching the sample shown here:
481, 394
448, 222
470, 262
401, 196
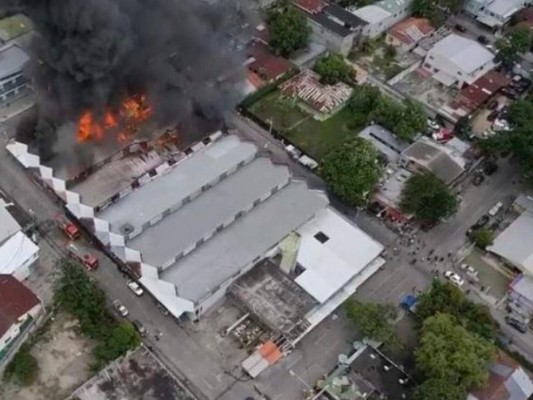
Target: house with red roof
406, 34
507, 381
18, 307
264, 66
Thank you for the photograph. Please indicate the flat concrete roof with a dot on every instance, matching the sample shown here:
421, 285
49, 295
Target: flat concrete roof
200, 217
174, 186
273, 297
244, 241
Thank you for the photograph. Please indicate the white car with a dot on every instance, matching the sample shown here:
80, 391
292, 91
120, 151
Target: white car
454, 278
135, 288
123, 311
433, 124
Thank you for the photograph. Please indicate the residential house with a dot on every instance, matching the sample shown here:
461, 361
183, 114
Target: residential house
406, 34
13, 83
331, 25
511, 246
17, 252
388, 195
379, 17
316, 98
520, 294
507, 381
426, 155
471, 97
494, 13
18, 307
264, 65
388, 145
456, 61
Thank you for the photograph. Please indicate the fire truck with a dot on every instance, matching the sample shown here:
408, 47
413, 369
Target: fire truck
68, 228
88, 260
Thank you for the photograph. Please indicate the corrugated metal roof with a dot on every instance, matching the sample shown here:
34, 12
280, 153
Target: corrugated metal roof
8, 225
237, 246
181, 181
466, 54
12, 60
197, 219
510, 244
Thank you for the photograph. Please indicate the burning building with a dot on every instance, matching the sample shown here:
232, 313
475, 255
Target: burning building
109, 66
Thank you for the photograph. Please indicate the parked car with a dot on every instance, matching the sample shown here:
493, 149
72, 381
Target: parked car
493, 115
135, 288
432, 124
469, 270
492, 105
495, 209
482, 221
140, 328
519, 325
460, 28
482, 39
454, 278
490, 167
478, 179
120, 309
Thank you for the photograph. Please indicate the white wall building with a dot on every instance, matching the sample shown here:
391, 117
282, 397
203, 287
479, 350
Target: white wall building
456, 61
18, 305
382, 15
494, 13
17, 251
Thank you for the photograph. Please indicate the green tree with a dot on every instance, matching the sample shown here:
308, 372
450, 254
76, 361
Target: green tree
412, 121
427, 198
518, 42
120, 339
364, 100
390, 52
430, 9
373, 320
463, 128
288, 30
433, 389
483, 238
23, 368
448, 352
79, 295
443, 297
352, 170
332, 69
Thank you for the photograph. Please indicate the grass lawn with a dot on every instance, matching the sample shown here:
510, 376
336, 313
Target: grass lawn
14, 26
282, 112
316, 137
312, 136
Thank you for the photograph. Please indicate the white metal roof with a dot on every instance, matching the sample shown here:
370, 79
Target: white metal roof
372, 14
514, 243
330, 265
8, 225
183, 180
467, 54
15, 252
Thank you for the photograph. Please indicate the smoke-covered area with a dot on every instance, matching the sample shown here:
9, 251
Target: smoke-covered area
91, 54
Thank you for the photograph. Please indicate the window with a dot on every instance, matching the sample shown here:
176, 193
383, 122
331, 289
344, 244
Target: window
321, 237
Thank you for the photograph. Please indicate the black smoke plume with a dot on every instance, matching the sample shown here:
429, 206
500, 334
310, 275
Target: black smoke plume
91, 54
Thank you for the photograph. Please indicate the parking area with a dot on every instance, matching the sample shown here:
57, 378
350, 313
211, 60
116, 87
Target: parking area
483, 119
492, 278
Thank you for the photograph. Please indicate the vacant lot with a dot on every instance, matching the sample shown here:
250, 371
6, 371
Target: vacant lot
63, 356
312, 136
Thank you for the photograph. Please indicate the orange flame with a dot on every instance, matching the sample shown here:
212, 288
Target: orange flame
132, 112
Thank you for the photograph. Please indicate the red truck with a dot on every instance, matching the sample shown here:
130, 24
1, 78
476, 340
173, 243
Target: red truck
68, 228
88, 260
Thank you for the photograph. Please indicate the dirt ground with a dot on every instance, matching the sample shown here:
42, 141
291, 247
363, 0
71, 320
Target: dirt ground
63, 356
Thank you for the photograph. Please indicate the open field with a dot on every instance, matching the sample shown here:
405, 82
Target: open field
312, 136
63, 355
